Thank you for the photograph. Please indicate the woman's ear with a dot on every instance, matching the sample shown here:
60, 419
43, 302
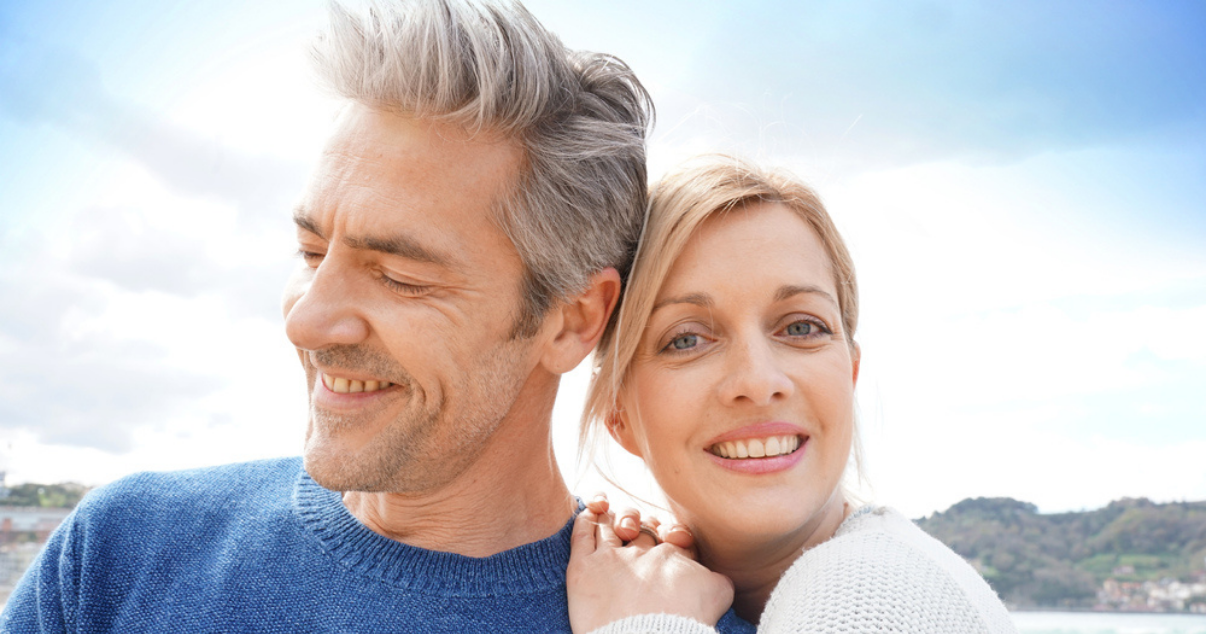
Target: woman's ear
856, 356
620, 429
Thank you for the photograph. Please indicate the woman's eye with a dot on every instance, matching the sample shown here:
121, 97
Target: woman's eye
799, 329
683, 342
803, 330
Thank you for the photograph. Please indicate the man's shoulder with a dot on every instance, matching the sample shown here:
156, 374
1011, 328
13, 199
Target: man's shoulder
247, 484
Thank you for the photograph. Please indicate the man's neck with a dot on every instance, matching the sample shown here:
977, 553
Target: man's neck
512, 494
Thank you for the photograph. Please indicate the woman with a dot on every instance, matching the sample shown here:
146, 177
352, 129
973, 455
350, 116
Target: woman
730, 370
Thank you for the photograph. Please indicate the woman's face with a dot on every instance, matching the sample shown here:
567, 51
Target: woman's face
740, 398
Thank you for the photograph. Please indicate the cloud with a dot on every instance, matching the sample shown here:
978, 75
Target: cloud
905, 83
89, 390
56, 86
186, 253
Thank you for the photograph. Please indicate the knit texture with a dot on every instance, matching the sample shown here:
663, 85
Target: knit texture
260, 547
879, 573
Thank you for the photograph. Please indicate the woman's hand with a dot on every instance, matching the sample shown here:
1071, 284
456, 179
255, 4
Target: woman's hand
608, 580
627, 526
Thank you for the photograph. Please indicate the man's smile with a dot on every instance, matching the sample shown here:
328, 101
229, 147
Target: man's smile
341, 385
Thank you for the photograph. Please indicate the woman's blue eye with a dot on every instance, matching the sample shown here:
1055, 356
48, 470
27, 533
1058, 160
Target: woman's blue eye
799, 329
684, 342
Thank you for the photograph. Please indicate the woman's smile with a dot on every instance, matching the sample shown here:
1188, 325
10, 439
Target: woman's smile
759, 448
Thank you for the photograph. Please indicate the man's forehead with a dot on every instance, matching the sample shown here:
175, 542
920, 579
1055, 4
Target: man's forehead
398, 135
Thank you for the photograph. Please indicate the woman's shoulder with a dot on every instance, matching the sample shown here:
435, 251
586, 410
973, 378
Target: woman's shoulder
880, 572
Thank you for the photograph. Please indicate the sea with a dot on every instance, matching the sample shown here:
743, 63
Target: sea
1107, 623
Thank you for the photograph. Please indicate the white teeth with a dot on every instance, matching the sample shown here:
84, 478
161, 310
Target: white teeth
757, 447
352, 386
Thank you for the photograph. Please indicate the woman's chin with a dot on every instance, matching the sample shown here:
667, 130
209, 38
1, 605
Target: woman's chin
765, 522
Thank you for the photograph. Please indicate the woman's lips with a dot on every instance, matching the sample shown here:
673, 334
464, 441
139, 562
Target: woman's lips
759, 448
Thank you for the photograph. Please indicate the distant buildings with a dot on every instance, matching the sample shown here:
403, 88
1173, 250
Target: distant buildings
23, 531
29, 523
1165, 595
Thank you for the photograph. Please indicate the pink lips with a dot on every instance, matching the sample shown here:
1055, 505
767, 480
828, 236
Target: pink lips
761, 465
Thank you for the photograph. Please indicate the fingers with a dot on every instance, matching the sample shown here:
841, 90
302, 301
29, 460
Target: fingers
628, 524
582, 539
605, 535
598, 504
678, 535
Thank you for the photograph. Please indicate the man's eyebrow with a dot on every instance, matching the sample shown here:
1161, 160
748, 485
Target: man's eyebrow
302, 220
787, 292
698, 299
399, 245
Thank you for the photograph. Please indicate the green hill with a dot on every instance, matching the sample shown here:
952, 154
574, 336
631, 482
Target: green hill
1062, 559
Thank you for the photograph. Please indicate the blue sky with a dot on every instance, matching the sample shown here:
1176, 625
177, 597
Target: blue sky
1022, 186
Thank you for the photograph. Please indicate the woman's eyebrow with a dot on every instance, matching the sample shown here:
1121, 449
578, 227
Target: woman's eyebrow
697, 299
787, 292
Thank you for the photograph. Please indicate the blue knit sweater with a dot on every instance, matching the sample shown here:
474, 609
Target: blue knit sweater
260, 547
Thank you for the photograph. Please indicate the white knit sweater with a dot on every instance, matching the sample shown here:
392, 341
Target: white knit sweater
878, 573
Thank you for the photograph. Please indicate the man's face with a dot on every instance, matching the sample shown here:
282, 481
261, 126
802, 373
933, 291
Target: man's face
403, 305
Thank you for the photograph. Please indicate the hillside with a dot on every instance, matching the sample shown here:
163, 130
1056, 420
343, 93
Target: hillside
1063, 559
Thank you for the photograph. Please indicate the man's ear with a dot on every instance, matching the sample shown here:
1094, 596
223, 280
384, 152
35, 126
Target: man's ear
580, 321
620, 429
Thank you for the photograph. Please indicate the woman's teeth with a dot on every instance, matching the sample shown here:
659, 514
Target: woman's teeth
756, 447
348, 386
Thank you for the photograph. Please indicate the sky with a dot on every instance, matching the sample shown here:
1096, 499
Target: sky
1022, 186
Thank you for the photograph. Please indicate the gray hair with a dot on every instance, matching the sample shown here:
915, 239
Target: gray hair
581, 118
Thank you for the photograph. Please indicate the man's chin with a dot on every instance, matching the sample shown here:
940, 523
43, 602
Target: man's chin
342, 470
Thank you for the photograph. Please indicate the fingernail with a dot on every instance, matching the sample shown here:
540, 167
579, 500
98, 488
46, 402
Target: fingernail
629, 523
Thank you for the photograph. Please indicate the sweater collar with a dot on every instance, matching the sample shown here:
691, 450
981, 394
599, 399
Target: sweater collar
535, 567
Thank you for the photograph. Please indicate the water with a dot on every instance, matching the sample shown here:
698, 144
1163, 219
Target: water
1107, 623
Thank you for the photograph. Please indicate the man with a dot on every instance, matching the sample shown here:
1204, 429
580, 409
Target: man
464, 238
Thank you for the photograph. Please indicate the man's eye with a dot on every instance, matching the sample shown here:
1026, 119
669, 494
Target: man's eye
311, 258
403, 287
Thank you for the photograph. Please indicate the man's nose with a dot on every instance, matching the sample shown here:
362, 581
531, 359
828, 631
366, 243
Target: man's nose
755, 374
326, 311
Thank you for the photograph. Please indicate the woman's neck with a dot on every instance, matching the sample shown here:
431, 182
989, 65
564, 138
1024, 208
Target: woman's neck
756, 565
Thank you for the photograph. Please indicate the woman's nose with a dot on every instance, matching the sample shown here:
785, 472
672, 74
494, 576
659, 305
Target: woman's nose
754, 375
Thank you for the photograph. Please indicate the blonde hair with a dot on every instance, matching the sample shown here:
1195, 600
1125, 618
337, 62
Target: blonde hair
491, 66
678, 205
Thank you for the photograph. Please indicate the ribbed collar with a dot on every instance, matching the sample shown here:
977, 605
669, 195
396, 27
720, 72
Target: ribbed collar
535, 567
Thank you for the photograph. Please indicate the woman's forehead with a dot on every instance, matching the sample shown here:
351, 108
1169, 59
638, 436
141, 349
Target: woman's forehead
764, 244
